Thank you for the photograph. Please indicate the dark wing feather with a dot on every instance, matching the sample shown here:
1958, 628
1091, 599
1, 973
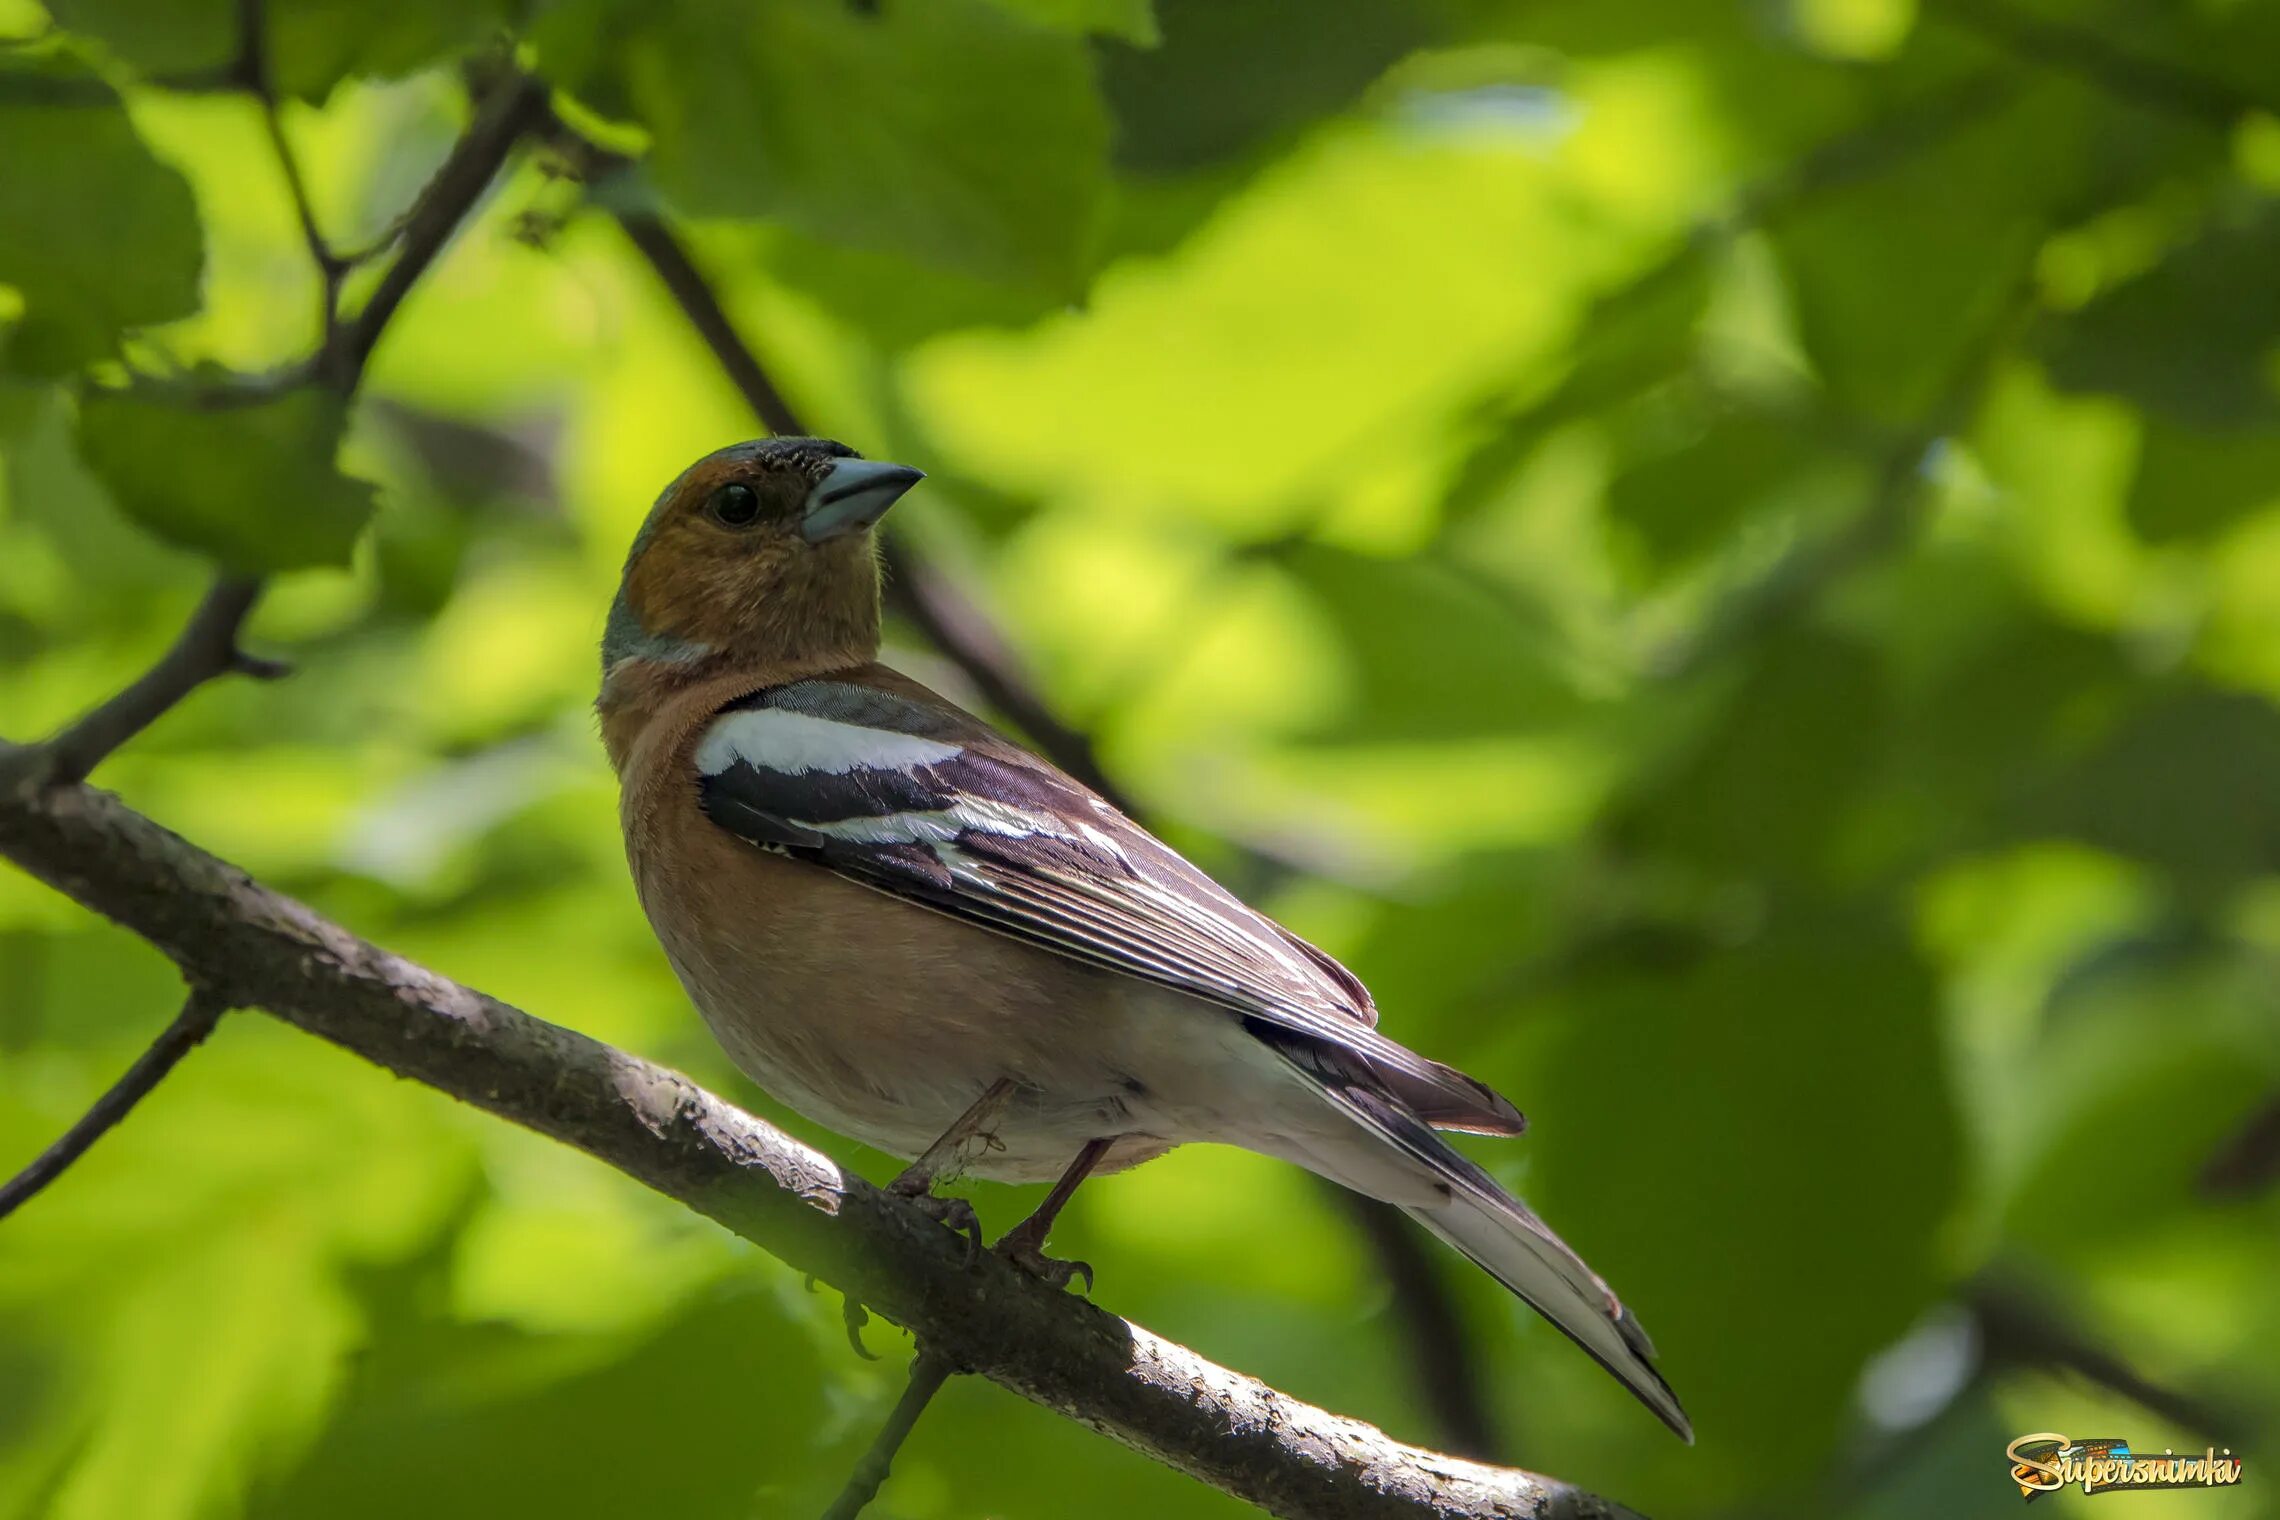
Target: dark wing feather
938, 809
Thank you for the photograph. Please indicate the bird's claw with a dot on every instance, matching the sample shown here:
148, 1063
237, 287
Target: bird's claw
856, 1317
956, 1214
1027, 1256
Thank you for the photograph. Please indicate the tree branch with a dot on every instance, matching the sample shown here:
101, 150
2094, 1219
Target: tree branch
928, 1373
514, 104
256, 948
693, 293
207, 647
200, 1013
2020, 1328
254, 77
2156, 83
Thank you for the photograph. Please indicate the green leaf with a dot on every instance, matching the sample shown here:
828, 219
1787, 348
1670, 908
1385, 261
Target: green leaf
452, 1420
1766, 788
1431, 655
1688, 500
1891, 297
312, 44
1639, 337
2190, 781
2193, 338
1132, 20
96, 234
1759, 1151
253, 485
157, 36
1229, 77
220, 1358
948, 131
315, 44
2192, 482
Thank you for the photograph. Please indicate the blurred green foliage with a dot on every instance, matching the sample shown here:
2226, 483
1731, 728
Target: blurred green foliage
1726, 557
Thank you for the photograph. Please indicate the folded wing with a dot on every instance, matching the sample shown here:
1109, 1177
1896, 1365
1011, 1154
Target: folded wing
933, 806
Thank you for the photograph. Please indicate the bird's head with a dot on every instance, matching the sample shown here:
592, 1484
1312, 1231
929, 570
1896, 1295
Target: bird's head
760, 552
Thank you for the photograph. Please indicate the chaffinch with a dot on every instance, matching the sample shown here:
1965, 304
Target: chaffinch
915, 932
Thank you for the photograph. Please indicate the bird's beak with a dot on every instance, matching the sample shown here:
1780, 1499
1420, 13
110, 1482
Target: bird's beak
853, 496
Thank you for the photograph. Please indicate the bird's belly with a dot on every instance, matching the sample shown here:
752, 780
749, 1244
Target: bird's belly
886, 1021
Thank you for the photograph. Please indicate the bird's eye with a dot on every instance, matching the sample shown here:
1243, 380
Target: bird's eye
734, 505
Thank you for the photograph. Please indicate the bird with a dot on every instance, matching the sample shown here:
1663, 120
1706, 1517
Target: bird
917, 933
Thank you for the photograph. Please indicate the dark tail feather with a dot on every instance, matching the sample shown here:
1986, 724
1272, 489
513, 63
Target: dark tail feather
1496, 1231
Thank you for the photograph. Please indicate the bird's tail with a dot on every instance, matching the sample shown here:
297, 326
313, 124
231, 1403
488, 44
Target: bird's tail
1406, 1163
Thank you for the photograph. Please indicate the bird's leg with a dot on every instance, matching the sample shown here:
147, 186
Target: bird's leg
1024, 1244
944, 1157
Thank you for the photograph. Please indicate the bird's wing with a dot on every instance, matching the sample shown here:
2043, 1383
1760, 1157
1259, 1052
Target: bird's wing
928, 803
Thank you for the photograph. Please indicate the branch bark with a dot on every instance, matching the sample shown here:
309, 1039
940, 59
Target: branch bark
207, 647
252, 947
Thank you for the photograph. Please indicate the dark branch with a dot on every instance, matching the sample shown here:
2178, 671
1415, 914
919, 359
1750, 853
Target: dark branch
255, 948
206, 648
1440, 1348
2046, 42
2249, 1162
2019, 1329
200, 1012
965, 635
927, 1375
514, 105
693, 293
254, 76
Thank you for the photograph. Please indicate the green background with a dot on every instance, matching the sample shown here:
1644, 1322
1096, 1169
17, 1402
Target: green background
1723, 557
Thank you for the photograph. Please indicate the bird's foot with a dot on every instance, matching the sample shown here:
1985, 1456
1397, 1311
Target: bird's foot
955, 1213
1022, 1250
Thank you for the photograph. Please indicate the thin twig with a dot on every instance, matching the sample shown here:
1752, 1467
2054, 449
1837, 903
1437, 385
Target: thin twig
2020, 1328
694, 294
207, 647
254, 75
2047, 42
514, 105
200, 1012
927, 1375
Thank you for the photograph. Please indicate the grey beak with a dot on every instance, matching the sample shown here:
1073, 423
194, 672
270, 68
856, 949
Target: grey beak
853, 496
